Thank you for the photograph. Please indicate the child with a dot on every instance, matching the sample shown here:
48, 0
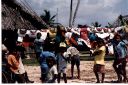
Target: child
62, 62
38, 43
43, 64
52, 73
22, 71
13, 65
99, 64
75, 59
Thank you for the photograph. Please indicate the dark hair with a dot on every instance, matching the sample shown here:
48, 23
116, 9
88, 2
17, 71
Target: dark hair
38, 34
62, 49
26, 38
49, 59
100, 40
11, 51
117, 35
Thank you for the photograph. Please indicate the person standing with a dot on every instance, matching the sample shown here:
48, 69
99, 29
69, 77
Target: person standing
62, 57
60, 37
120, 60
22, 70
26, 44
99, 64
75, 59
38, 44
122, 52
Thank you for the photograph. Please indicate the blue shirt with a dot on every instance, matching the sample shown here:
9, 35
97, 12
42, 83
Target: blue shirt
43, 56
121, 49
38, 45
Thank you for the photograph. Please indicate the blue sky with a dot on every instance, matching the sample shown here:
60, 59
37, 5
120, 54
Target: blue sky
89, 11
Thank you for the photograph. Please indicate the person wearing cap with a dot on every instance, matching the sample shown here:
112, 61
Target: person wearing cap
75, 59
62, 61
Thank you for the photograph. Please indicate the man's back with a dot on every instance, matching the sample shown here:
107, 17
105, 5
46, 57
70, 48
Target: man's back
73, 51
44, 55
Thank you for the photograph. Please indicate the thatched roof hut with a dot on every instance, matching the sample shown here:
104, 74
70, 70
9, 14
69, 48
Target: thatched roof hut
15, 16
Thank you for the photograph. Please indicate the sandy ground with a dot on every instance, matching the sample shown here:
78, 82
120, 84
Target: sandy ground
87, 75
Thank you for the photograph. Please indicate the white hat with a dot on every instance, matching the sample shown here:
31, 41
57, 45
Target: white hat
62, 44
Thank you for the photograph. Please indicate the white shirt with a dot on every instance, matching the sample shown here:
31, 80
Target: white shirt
21, 67
52, 72
73, 51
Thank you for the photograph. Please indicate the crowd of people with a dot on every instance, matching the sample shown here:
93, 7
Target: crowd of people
56, 51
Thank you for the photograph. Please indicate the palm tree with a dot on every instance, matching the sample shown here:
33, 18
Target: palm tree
70, 18
47, 18
77, 6
121, 20
96, 24
109, 25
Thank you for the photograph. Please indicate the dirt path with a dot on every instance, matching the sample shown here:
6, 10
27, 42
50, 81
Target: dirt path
87, 75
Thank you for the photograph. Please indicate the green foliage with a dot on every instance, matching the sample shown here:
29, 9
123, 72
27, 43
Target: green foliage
30, 62
121, 20
47, 18
109, 25
96, 24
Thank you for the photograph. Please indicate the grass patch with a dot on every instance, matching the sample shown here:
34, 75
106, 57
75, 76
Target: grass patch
30, 62
34, 62
91, 58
